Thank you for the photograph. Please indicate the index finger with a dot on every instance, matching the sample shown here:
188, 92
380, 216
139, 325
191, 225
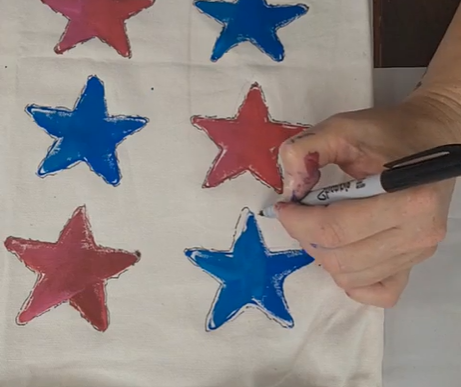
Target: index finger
384, 294
346, 222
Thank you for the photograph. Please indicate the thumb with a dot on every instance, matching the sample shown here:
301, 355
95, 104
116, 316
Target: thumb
302, 156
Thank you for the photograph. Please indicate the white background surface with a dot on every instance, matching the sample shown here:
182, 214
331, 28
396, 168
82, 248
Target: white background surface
423, 332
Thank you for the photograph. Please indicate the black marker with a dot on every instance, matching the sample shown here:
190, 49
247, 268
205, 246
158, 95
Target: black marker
430, 166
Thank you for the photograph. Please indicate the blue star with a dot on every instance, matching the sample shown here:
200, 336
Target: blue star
250, 21
250, 275
87, 133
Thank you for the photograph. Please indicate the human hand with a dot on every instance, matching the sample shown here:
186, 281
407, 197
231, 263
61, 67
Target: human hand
369, 245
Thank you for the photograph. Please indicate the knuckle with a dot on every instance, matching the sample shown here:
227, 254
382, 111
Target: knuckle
388, 299
341, 120
426, 254
290, 149
436, 233
431, 251
343, 281
424, 199
331, 235
332, 264
341, 125
439, 232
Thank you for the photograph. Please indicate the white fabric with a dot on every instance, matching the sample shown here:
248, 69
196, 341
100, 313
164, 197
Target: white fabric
158, 308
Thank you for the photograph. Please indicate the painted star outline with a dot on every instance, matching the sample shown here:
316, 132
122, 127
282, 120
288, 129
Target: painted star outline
65, 126
223, 266
261, 31
44, 266
64, 8
297, 129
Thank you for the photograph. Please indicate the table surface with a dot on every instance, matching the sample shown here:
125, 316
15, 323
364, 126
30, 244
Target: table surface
423, 332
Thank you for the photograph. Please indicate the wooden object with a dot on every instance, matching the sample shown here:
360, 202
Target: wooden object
407, 32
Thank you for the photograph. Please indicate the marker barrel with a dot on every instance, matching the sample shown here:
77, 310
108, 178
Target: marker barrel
356, 189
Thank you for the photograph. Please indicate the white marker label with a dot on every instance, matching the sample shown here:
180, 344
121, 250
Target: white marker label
356, 189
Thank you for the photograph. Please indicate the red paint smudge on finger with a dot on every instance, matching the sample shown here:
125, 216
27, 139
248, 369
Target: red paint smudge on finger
307, 178
311, 163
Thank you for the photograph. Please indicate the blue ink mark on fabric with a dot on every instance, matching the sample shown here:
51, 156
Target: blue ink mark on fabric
86, 134
252, 21
249, 275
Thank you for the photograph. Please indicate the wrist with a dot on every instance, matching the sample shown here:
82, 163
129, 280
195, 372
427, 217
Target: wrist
434, 115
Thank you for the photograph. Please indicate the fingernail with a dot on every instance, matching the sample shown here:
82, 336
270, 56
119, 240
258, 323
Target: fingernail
288, 186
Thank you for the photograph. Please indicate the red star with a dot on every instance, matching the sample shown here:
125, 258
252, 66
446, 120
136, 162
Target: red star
249, 141
74, 269
103, 19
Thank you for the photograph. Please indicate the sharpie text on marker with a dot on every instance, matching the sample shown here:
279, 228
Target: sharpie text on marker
430, 166
325, 193
355, 189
